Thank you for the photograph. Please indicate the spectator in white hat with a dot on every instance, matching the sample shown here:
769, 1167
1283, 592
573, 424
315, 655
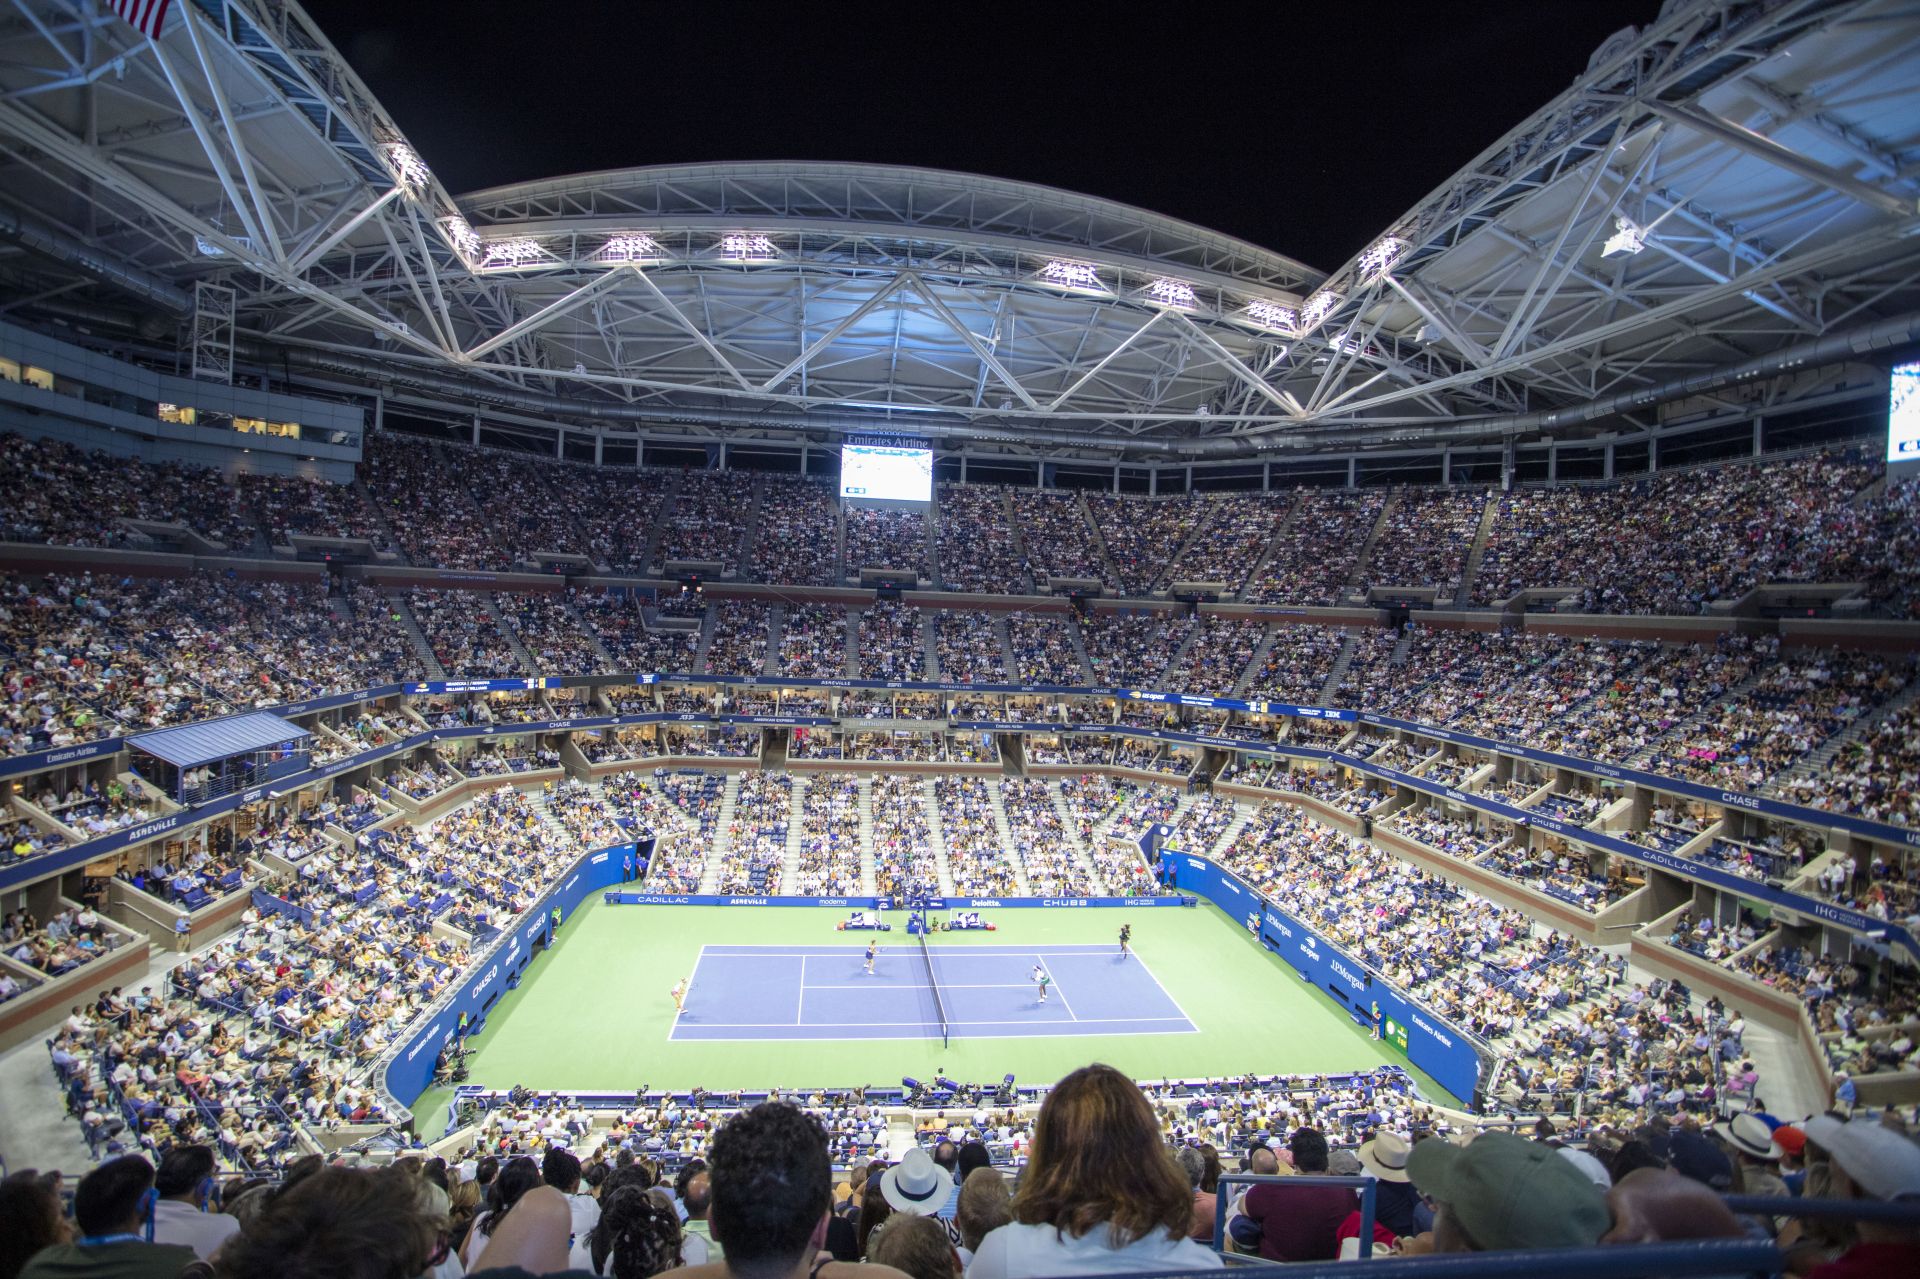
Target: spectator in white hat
1396, 1204
917, 1184
1873, 1162
1755, 1153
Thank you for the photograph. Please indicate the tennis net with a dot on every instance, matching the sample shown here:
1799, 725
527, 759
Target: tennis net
939, 1004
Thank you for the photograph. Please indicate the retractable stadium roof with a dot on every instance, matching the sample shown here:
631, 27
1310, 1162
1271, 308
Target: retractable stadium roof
1723, 196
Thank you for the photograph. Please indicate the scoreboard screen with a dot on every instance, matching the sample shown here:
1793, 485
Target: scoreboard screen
886, 474
1903, 414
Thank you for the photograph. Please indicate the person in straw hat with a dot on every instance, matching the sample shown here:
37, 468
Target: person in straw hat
1396, 1204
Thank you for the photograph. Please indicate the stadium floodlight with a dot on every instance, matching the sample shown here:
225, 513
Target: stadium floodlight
1317, 308
406, 165
629, 248
516, 252
1626, 240
1072, 275
1271, 315
1345, 343
742, 247
1171, 292
1381, 255
461, 235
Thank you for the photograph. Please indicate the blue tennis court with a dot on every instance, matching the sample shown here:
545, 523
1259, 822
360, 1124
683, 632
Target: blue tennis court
825, 992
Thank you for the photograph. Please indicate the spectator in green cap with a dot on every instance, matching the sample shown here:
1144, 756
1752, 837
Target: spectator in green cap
1505, 1192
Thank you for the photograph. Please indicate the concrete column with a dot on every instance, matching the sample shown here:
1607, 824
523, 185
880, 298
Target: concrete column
1353, 472
1608, 472
599, 447
476, 430
560, 443
1759, 435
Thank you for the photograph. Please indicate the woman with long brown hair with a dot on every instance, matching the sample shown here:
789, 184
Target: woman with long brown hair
1101, 1193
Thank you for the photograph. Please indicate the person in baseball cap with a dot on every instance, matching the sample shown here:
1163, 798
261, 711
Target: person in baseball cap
1504, 1192
1871, 1161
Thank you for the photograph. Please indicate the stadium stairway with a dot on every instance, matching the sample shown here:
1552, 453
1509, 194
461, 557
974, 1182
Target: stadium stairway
1005, 642
1401, 648
1338, 671
932, 522
1176, 662
1080, 649
869, 885
1108, 571
378, 516
707, 627
1816, 761
600, 652
750, 527
776, 621
929, 658
1019, 540
1164, 575
790, 863
1700, 715
722, 836
669, 496
1005, 831
1267, 552
850, 643
510, 633
411, 626
839, 543
1358, 577
1478, 550
936, 837
1255, 661
1082, 854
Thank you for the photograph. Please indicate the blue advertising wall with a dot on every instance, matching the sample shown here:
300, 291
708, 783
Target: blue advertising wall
630, 898
1433, 1044
410, 1069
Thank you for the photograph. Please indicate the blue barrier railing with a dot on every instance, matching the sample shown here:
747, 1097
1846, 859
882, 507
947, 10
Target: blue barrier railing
1858, 922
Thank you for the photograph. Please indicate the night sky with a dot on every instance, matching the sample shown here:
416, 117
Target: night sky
1308, 131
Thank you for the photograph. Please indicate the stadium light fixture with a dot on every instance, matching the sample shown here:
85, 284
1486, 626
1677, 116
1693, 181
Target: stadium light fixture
1345, 343
464, 239
1627, 239
1072, 275
1271, 315
1317, 308
1381, 255
406, 165
742, 247
629, 248
1171, 292
516, 252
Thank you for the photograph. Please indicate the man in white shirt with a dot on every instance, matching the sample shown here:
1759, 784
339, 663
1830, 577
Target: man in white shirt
185, 1185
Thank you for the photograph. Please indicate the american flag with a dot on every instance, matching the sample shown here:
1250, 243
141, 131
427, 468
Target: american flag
147, 15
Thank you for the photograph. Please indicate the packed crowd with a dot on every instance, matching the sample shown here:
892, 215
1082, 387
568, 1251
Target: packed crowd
978, 550
886, 539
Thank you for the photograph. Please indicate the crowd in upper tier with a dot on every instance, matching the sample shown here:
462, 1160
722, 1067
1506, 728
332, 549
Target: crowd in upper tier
1674, 542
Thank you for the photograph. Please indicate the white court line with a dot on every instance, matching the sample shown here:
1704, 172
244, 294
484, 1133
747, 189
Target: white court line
800, 1002
1148, 970
1069, 1007
895, 1025
945, 985
687, 994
